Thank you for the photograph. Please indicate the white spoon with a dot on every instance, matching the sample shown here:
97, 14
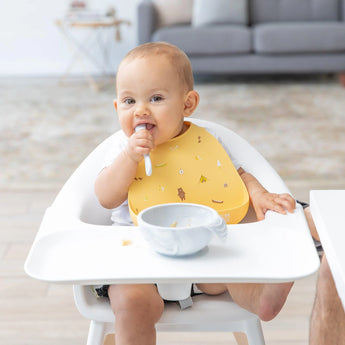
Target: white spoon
148, 164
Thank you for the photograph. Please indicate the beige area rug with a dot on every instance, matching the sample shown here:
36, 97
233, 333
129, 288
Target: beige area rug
298, 124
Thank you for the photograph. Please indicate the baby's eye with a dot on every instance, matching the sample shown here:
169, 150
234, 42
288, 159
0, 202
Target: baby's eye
156, 98
129, 101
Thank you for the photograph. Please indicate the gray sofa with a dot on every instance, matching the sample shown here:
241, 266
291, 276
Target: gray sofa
285, 36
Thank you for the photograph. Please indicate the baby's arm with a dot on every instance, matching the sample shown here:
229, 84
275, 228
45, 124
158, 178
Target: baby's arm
263, 200
112, 183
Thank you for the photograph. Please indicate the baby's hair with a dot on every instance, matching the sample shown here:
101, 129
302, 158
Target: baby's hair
178, 59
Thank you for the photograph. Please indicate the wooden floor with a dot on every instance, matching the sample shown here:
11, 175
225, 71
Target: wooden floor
37, 313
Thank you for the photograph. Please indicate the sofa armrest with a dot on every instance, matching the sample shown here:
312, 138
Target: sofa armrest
147, 20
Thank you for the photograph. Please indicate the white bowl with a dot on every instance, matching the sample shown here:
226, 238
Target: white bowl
180, 228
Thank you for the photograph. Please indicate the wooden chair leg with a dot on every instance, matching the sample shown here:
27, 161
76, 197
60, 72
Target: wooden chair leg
342, 79
241, 338
109, 339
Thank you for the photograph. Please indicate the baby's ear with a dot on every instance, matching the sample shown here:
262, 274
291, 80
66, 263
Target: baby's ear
115, 104
191, 102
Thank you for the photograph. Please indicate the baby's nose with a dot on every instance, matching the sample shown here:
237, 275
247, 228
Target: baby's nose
141, 109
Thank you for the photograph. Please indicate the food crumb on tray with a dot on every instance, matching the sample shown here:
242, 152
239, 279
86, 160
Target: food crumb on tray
126, 243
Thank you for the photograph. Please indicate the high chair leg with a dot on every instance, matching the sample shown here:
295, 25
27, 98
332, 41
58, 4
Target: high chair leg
254, 333
96, 333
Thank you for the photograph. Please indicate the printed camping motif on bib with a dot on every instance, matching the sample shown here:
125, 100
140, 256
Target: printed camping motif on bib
191, 168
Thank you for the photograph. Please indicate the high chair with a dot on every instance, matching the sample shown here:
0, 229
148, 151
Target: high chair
76, 211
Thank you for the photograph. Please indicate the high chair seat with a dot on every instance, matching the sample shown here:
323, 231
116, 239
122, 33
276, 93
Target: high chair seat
208, 314
75, 242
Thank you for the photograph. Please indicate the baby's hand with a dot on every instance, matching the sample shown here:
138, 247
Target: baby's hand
140, 143
264, 201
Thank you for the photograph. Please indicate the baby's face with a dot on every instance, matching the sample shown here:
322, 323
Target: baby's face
149, 91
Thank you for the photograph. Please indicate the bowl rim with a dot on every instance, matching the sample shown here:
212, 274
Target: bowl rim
178, 204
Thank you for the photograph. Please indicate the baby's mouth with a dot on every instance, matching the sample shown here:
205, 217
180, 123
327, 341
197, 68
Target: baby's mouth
149, 126
145, 125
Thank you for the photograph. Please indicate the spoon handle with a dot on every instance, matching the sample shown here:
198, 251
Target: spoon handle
148, 164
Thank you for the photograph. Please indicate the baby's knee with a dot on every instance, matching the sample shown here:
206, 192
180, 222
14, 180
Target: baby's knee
136, 299
271, 303
268, 309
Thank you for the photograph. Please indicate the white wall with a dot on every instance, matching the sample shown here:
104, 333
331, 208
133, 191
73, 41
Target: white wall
31, 43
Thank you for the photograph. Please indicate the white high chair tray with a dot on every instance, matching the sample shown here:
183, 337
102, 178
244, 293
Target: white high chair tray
265, 251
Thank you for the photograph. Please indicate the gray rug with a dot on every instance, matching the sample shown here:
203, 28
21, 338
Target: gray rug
298, 124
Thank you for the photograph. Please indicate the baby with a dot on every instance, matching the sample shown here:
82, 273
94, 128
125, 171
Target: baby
154, 86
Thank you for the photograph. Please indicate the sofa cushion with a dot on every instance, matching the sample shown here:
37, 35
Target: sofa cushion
217, 39
321, 37
206, 12
172, 12
294, 10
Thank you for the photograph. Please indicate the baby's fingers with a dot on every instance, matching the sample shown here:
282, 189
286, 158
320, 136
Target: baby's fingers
139, 145
288, 202
144, 143
277, 206
284, 202
143, 139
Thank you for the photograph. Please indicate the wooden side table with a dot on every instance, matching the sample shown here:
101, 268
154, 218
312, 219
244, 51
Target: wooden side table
98, 32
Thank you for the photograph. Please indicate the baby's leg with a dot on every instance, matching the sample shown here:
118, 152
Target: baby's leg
137, 309
264, 300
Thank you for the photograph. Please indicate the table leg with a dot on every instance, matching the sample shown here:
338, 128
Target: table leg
80, 53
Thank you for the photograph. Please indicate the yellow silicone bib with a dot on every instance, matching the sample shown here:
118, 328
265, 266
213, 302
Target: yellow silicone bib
192, 168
